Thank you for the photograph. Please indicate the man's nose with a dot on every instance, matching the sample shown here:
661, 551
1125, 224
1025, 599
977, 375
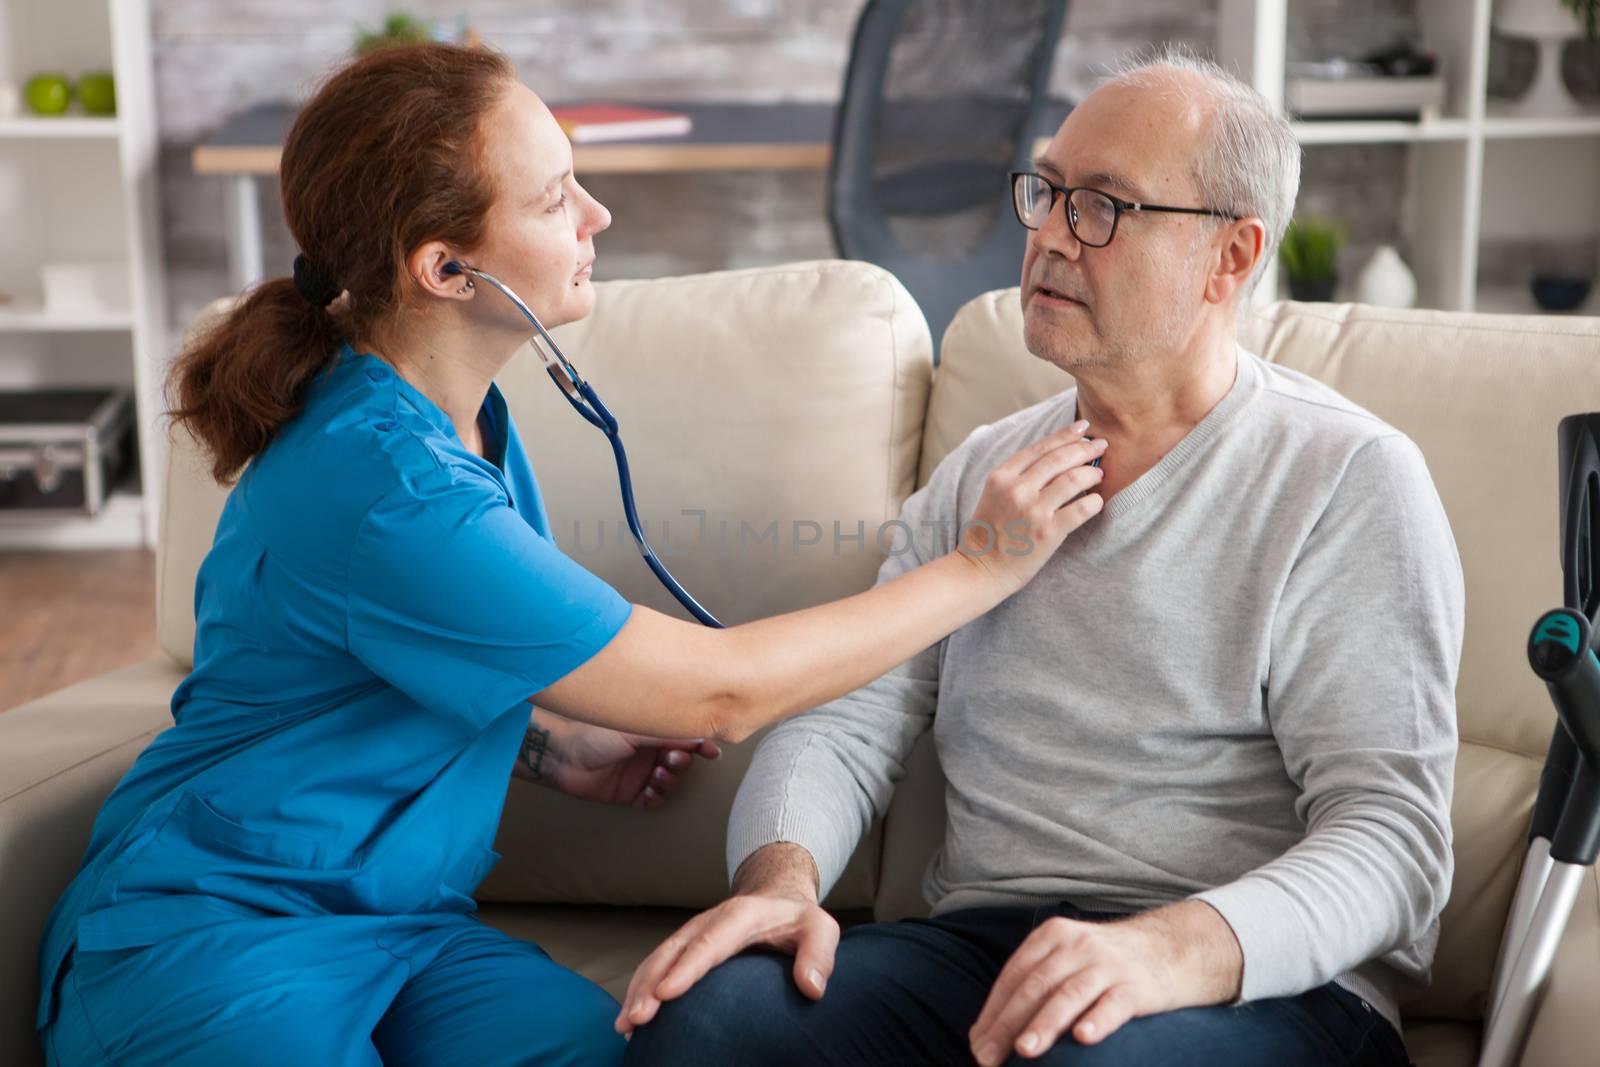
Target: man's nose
1054, 235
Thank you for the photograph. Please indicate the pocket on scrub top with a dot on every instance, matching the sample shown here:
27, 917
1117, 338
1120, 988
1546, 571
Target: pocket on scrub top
196, 822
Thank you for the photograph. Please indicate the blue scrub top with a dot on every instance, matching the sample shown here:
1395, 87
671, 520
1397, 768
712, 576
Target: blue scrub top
377, 608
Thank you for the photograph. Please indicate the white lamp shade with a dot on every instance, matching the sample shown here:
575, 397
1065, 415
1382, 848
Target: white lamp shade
1534, 18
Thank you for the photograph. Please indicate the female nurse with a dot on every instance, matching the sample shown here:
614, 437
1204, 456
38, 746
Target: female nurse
385, 630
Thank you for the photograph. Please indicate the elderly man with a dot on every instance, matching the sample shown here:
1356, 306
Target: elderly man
1200, 770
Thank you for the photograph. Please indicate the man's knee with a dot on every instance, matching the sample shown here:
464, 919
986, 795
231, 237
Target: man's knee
739, 1010
1188, 1037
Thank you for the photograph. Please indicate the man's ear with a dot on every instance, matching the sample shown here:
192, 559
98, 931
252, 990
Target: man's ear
1237, 256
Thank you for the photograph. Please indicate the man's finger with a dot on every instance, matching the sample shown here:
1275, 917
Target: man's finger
711, 945
1028, 955
1059, 1011
1062, 969
648, 973
813, 959
1108, 1015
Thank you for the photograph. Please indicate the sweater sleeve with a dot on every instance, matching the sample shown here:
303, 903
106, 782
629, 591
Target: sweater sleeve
1365, 649
820, 779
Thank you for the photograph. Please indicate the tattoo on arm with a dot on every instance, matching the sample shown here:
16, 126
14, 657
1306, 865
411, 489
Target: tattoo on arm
535, 745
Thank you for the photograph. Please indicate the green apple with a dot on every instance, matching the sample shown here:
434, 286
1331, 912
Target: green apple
48, 94
97, 92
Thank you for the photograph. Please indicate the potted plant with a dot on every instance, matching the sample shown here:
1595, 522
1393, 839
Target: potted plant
398, 28
1310, 255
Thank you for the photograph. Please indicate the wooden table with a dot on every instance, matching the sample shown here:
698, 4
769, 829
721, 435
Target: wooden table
724, 137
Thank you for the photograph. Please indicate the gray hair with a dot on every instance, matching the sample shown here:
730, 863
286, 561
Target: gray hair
1249, 159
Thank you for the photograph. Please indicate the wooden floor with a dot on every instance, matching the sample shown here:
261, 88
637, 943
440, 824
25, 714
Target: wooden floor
67, 616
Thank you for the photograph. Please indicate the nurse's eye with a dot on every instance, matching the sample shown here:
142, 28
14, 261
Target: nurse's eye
559, 205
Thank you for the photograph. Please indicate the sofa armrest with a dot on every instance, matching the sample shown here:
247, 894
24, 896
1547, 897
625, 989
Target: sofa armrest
59, 757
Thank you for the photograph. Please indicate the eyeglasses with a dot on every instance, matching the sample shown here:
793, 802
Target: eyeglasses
1092, 215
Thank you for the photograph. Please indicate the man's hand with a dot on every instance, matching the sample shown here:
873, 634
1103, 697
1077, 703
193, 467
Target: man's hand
1093, 977
774, 904
594, 763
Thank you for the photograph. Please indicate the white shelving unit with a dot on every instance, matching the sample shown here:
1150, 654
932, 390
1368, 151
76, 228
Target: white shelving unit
1468, 172
81, 187
64, 127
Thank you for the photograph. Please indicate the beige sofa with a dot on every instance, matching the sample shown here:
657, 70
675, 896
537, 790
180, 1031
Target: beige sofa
805, 394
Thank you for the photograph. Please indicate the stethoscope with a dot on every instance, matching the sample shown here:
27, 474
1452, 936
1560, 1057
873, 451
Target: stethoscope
581, 395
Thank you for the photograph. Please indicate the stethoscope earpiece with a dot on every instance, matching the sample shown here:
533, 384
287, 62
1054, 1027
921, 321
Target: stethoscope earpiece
451, 268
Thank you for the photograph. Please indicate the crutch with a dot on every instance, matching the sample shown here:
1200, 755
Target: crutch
1555, 782
1561, 652
1564, 833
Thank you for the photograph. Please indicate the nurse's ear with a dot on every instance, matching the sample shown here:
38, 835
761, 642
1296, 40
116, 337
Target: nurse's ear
436, 272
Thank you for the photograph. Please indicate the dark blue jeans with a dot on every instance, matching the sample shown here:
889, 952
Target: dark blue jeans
907, 993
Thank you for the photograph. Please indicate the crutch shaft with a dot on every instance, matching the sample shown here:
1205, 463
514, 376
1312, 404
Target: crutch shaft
1525, 986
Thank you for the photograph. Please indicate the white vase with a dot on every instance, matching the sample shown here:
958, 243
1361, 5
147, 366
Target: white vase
1386, 281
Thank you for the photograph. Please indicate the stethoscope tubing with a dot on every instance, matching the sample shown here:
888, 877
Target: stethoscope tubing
586, 402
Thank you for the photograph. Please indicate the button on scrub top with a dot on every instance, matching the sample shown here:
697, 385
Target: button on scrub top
377, 608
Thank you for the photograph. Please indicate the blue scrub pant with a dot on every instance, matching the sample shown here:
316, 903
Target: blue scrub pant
906, 994
338, 990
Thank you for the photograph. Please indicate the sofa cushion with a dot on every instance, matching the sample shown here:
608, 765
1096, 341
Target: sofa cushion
1481, 396
734, 392
1439, 1044
59, 757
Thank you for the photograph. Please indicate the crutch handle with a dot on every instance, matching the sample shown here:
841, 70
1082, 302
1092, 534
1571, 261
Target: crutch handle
1560, 652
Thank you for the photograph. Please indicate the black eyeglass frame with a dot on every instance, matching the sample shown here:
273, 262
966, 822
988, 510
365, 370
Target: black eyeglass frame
1118, 206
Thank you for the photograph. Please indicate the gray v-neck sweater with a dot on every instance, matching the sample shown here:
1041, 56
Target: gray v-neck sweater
1236, 683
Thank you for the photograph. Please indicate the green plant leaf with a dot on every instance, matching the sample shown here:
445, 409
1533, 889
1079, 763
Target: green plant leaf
1588, 13
1310, 249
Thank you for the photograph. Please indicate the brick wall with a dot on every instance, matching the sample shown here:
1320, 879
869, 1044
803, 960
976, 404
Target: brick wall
214, 59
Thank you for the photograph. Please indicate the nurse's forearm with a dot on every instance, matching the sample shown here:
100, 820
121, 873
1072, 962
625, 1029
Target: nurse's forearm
790, 663
668, 678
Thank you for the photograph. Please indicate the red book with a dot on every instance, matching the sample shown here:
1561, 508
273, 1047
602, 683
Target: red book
614, 122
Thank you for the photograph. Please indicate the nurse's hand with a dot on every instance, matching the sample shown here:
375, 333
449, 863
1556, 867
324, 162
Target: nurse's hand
606, 766
1031, 502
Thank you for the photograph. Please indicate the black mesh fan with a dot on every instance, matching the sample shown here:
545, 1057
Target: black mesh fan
941, 99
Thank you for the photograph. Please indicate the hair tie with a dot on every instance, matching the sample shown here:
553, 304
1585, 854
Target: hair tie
312, 284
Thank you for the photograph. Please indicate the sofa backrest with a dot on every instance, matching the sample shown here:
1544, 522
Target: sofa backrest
787, 398
1481, 396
